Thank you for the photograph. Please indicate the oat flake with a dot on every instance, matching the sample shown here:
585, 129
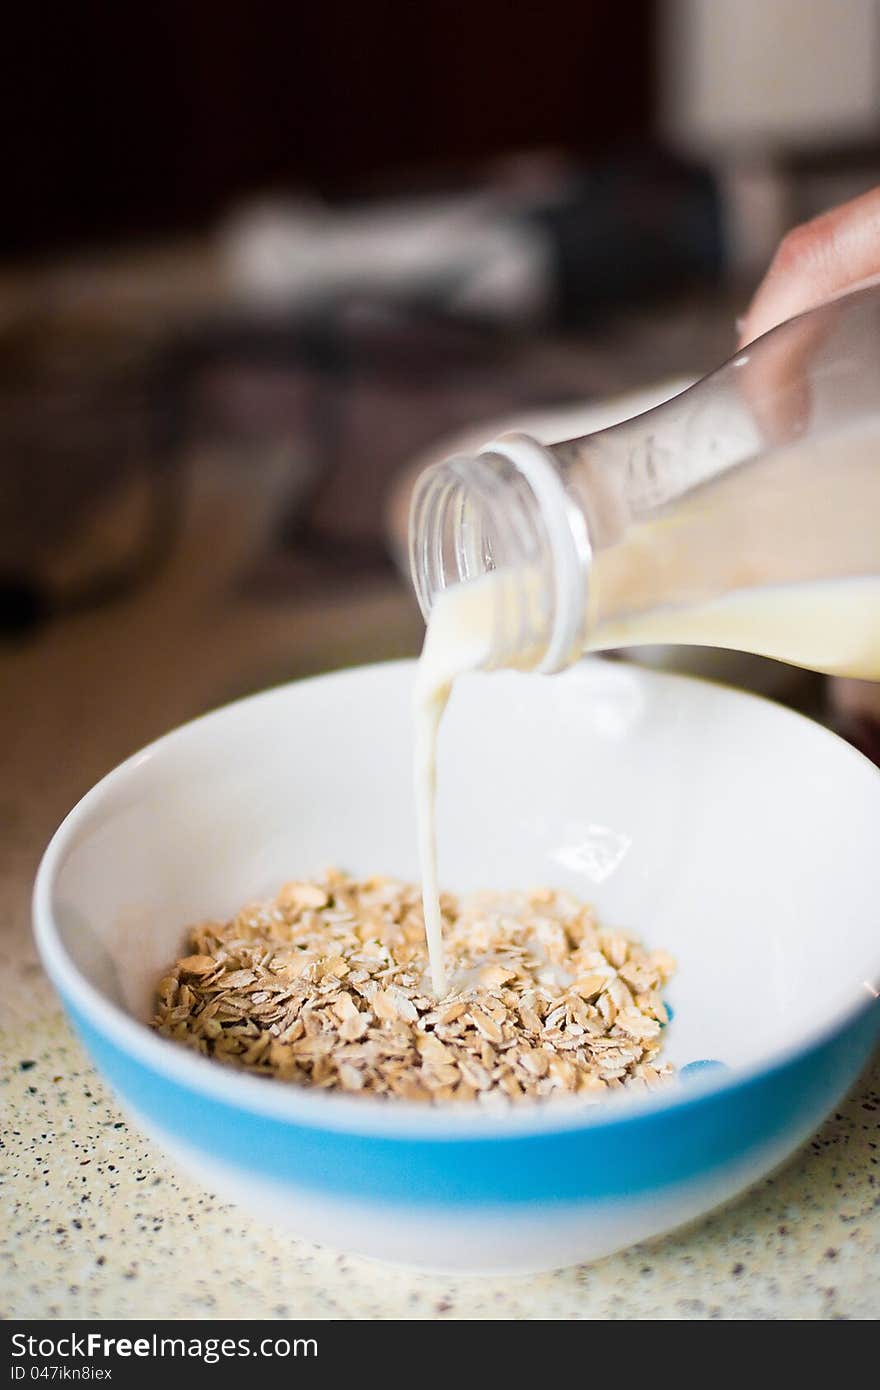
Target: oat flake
326, 986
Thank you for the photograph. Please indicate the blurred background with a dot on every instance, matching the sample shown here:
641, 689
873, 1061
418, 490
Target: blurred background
260, 262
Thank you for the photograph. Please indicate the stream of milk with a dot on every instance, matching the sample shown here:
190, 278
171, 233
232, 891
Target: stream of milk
829, 625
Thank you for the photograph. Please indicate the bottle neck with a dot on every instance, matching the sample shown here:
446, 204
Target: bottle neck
508, 510
762, 475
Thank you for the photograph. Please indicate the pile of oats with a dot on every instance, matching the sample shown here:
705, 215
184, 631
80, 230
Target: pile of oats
326, 986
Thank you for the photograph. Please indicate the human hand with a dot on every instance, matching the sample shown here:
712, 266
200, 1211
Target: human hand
817, 261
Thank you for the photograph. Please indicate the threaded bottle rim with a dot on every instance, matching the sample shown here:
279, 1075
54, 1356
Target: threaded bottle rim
506, 506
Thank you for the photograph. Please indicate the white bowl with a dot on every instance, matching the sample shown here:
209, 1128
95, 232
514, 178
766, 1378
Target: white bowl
736, 834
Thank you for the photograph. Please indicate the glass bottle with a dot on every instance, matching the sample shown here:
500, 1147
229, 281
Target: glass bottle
743, 513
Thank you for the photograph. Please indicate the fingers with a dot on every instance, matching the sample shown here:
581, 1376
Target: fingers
816, 261
776, 376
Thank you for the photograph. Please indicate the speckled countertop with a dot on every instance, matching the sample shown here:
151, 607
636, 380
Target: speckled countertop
95, 1221
99, 1225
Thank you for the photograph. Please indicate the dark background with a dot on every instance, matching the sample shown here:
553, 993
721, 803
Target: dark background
187, 410
136, 120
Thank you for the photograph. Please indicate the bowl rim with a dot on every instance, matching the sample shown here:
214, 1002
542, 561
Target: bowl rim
360, 1115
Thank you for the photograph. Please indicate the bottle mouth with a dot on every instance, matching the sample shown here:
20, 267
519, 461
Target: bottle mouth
506, 508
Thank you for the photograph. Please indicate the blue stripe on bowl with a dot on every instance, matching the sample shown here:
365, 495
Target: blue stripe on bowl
636, 1154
